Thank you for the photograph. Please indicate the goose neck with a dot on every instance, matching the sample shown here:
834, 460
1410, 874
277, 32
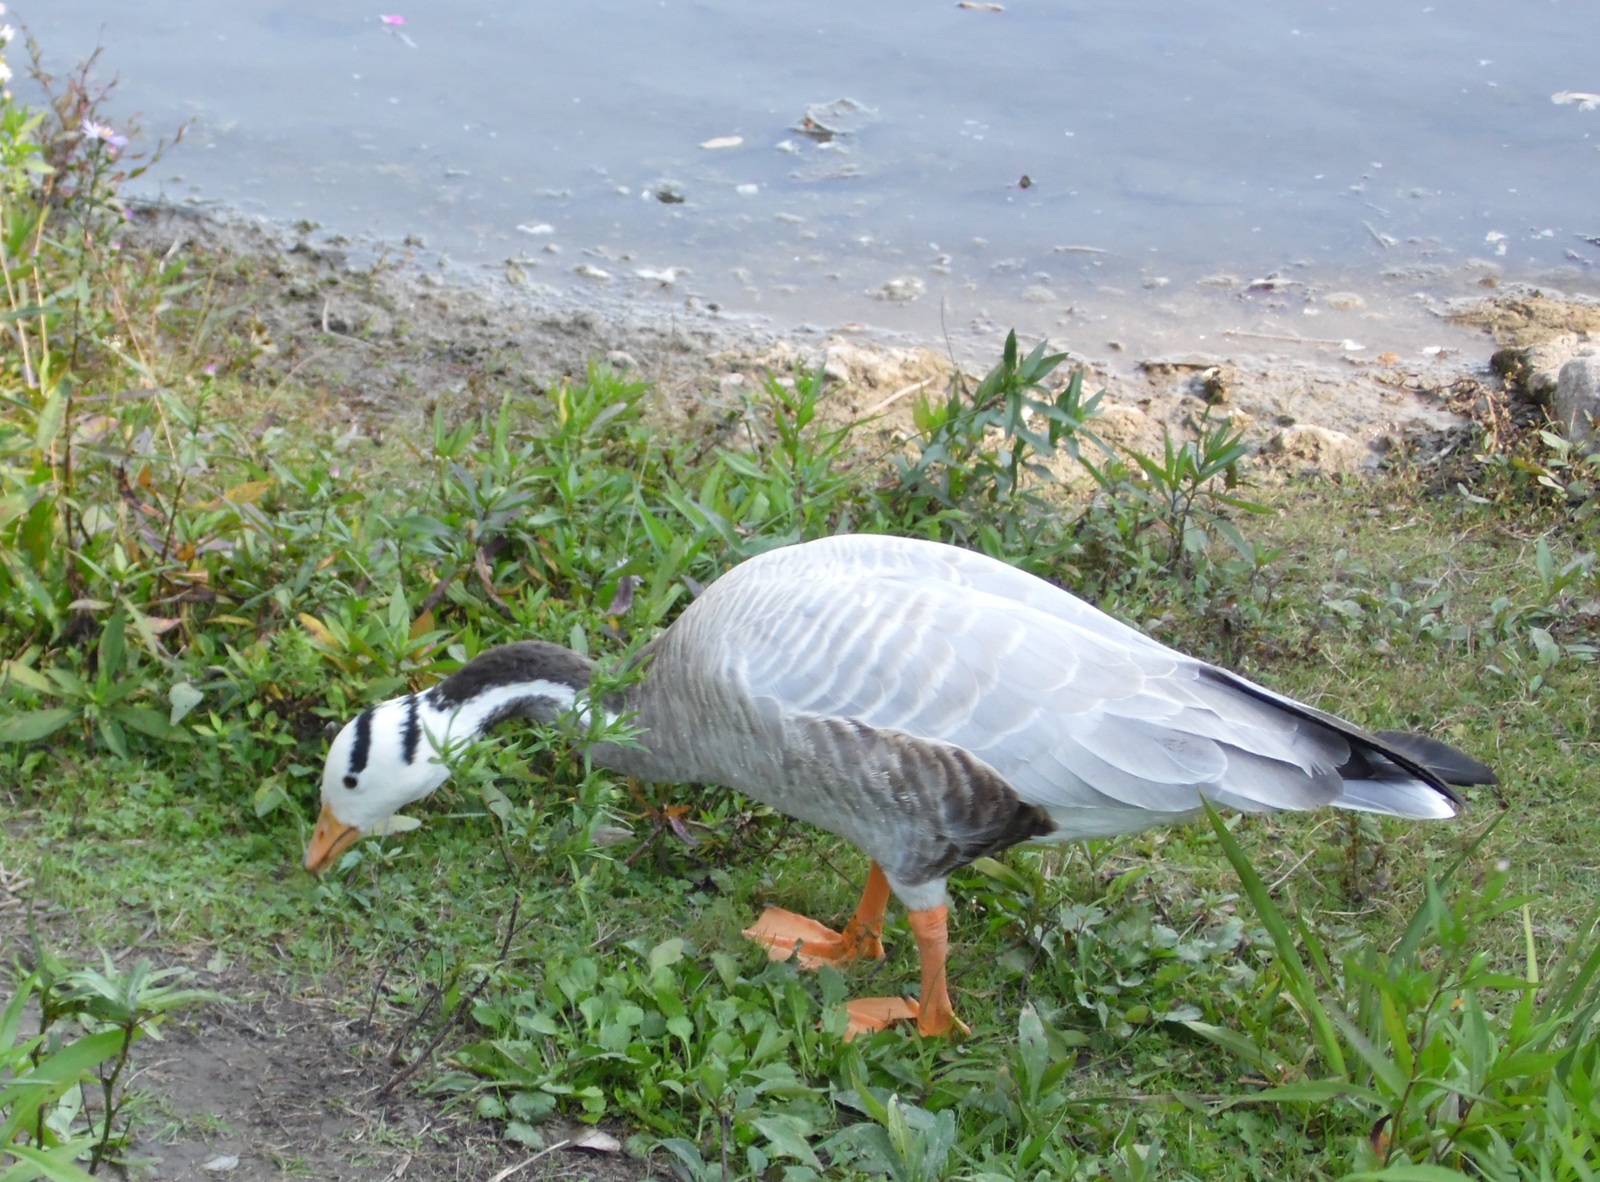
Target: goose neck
527, 679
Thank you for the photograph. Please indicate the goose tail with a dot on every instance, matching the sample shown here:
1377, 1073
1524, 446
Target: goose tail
1393, 772
1407, 775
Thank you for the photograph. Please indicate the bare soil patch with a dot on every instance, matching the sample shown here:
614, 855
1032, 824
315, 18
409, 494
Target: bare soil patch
287, 1083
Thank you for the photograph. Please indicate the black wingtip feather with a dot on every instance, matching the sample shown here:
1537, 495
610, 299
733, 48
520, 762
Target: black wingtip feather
1451, 766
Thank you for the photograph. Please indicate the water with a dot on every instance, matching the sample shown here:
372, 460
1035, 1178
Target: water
1174, 151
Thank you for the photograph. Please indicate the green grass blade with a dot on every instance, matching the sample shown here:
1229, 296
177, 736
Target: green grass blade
1289, 962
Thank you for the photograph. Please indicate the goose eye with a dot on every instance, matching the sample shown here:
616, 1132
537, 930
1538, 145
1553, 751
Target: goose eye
350, 782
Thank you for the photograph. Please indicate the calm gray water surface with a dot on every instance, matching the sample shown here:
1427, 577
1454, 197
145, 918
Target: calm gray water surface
1390, 148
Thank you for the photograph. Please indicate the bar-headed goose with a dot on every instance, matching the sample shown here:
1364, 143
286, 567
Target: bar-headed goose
929, 705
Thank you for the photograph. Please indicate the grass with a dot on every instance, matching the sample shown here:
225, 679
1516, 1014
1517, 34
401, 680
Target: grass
191, 593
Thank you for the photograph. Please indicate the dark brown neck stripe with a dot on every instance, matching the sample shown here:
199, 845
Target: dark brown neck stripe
511, 664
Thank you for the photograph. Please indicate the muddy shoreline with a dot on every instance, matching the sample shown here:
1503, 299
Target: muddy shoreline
390, 331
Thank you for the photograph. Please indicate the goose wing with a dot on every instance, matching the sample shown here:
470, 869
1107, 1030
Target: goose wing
1085, 717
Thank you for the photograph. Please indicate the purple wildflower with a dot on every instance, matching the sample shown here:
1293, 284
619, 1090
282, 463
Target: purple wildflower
105, 134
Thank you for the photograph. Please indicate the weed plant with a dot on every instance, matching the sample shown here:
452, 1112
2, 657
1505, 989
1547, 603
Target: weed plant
190, 594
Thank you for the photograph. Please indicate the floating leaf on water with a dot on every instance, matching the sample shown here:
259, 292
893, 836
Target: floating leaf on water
1582, 99
843, 116
901, 290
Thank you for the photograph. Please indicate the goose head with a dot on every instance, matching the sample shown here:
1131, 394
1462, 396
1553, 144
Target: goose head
388, 756
380, 762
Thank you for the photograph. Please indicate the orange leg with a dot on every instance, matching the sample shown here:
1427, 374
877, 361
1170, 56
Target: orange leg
935, 1014
864, 932
784, 931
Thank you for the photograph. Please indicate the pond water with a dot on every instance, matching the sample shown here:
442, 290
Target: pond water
1381, 154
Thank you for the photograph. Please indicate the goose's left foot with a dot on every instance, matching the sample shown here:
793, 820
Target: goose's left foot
933, 1014
784, 931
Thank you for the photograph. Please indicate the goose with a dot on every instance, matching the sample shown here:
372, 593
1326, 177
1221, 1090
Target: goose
928, 704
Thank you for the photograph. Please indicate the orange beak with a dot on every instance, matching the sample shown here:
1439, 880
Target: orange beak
329, 839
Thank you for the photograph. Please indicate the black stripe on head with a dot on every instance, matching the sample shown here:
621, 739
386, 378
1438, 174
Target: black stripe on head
413, 732
363, 744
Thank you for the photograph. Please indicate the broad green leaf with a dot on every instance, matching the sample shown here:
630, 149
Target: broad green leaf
112, 735
113, 647
144, 719
1239, 1044
56, 1164
35, 724
786, 1135
28, 1092
1315, 1091
1545, 646
1000, 872
668, 952
399, 611
269, 797
52, 415
497, 801
24, 675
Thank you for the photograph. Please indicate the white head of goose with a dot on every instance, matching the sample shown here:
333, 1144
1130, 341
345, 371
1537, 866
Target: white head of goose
929, 705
